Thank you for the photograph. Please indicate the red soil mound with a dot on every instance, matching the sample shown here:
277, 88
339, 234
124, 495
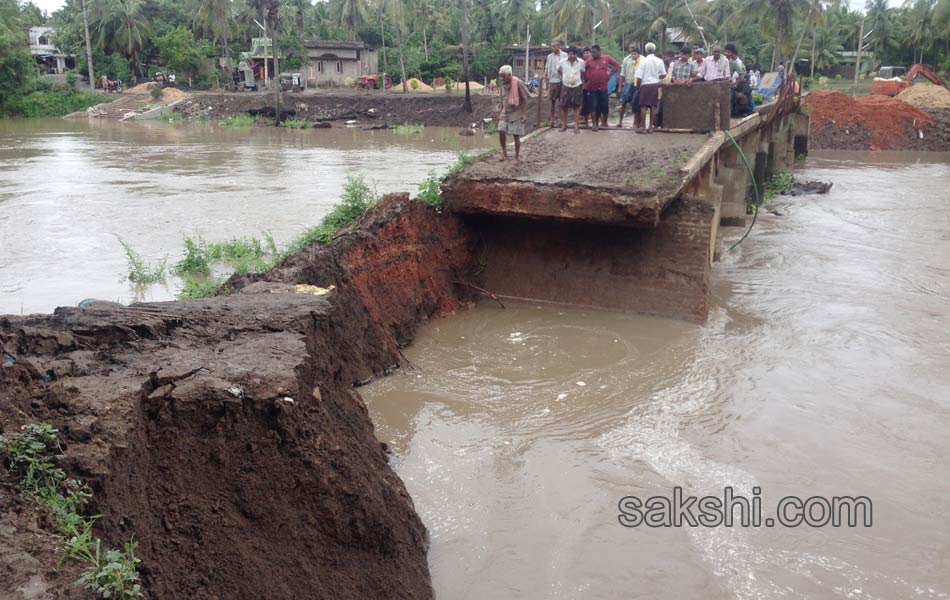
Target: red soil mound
888, 123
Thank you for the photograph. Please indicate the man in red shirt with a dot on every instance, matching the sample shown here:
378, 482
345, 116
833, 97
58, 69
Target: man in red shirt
597, 71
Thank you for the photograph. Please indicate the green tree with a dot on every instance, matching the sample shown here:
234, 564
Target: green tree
881, 22
121, 26
351, 14
179, 51
577, 18
214, 18
16, 65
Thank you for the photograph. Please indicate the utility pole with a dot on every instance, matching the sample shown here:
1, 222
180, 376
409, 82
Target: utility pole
857, 62
527, 52
464, 24
85, 26
275, 18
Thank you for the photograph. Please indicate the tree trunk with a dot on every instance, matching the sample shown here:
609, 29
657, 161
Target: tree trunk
382, 36
779, 34
298, 18
425, 43
814, 37
85, 26
402, 63
663, 39
463, 22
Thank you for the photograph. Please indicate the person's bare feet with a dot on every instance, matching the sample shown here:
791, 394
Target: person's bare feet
503, 158
563, 129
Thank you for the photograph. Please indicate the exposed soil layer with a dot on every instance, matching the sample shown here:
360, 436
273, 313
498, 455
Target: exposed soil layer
225, 435
840, 122
368, 109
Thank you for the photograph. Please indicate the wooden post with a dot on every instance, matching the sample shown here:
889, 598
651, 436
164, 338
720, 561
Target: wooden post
540, 96
857, 62
717, 118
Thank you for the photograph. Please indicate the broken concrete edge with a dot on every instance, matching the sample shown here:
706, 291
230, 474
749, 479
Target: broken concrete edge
156, 112
554, 201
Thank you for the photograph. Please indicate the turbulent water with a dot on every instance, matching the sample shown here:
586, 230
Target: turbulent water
70, 189
822, 370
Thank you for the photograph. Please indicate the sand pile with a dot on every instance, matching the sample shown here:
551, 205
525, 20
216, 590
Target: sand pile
142, 88
922, 95
170, 95
472, 85
891, 124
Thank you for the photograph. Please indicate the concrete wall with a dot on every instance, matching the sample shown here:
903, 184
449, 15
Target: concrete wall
662, 271
694, 107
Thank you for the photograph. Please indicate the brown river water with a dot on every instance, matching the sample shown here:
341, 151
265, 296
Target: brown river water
69, 189
822, 371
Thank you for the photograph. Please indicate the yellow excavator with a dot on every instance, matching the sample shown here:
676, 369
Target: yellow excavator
890, 83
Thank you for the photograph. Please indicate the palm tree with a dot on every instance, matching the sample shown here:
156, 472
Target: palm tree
121, 26
214, 17
577, 18
775, 16
351, 14
881, 23
923, 31
661, 14
425, 10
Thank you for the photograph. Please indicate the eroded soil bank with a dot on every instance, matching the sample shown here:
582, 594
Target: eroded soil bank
225, 435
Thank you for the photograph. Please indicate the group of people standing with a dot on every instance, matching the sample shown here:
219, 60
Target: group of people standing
577, 81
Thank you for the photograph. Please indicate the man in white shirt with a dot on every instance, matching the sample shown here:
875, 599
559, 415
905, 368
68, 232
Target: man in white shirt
572, 93
552, 76
649, 73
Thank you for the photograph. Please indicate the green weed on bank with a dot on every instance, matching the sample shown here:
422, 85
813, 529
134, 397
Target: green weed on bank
32, 458
778, 184
430, 190
238, 120
249, 255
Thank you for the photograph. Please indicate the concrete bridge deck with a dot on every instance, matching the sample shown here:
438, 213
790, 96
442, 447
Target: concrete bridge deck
616, 219
612, 176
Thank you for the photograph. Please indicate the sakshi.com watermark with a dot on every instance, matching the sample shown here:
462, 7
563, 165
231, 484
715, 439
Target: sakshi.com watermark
736, 510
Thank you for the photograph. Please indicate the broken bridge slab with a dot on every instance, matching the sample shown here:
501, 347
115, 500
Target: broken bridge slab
608, 177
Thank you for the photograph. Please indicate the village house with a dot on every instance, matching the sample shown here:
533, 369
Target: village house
332, 62
536, 55
45, 52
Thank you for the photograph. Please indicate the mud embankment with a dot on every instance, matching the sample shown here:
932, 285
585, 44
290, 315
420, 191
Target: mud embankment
840, 122
368, 109
225, 434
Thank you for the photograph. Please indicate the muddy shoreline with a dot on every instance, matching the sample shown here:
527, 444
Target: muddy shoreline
225, 434
369, 109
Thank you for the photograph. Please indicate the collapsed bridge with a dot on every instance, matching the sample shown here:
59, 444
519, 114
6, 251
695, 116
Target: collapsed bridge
620, 220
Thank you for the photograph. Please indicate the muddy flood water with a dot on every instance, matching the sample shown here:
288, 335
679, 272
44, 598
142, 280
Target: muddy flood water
70, 189
822, 371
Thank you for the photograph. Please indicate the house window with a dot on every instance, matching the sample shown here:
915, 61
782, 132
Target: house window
339, 66
519, 62
320, 66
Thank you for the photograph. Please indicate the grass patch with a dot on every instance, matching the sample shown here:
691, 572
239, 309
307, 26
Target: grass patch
244, 255
778, 184
430, 190
295, 124
406, 128
32, 458
239, 120
357, 198
200, 287
141, 271
173, 117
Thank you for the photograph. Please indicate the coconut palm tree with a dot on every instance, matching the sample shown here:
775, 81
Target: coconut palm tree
121, 26
214, 18
881, 22
351, 14
661, 14
577, 18
425, 11
923, 30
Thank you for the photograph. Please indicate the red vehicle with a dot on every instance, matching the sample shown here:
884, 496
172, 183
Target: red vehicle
371, 82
